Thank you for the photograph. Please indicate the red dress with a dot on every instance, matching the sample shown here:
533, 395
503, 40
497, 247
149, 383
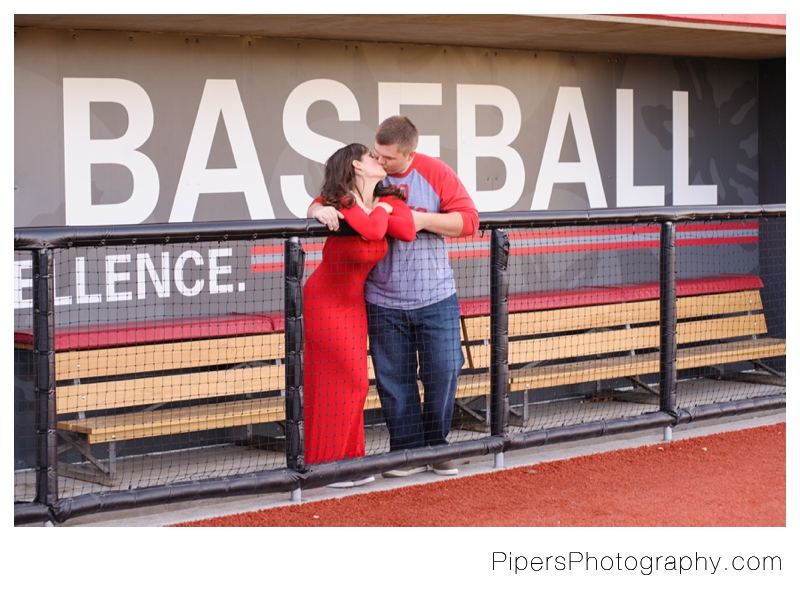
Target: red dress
335, 325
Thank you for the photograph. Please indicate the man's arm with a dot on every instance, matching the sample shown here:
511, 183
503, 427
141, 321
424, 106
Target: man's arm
327, 215
450, 224
457, 216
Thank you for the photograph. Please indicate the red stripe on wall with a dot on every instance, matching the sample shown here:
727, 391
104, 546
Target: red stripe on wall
713, 241
278, 267
274, 249
719, 226
615, 246
476, 246
614, 230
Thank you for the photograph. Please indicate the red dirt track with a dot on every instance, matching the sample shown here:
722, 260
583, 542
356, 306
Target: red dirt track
728, 479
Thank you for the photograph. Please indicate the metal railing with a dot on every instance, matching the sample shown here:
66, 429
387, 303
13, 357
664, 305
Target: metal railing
47, 505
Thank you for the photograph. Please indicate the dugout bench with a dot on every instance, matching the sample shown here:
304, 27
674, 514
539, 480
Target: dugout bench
130, 381
599, 333
113, 381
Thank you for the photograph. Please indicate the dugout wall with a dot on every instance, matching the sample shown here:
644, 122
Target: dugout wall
236, 127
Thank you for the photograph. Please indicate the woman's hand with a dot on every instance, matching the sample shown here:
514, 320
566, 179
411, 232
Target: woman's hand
327, 215
385, 206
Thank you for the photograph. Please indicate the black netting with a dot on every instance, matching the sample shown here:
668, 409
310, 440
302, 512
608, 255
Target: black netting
168, 364
201, 368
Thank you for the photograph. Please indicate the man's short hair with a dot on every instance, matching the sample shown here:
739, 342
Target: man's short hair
398, 129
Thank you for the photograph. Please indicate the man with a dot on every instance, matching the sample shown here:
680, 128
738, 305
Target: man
412, 307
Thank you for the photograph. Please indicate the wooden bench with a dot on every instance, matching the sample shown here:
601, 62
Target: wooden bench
118, 382
131, 381
114, 381
593, 334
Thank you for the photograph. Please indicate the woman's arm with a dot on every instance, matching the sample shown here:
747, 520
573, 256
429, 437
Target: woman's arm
370, 226
401, 222
327, 215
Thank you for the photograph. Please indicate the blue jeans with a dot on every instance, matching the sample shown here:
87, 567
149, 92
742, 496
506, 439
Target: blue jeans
424, 342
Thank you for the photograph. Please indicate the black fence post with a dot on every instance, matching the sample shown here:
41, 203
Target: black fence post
668, 304
499, 405
44, 373
772, 267
294, 261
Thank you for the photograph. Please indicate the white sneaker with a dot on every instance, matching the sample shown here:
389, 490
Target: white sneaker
405, 471
364, 480
444, 468
345, 484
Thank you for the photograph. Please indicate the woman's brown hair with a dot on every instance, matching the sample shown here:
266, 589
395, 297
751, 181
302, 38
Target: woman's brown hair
339, 184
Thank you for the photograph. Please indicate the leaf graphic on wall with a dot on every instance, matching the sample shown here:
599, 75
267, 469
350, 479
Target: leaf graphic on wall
723, 139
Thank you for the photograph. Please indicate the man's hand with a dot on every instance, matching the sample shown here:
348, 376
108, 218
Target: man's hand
327, 215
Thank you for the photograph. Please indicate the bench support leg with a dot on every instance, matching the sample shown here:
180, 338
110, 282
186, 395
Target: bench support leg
112, 459
465, 423
667, 434
754, 378
772, 377
639, 383
525, 409
771, 371
464, 408
101, 475
296, 495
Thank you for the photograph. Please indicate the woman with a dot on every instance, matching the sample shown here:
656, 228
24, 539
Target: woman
335, 318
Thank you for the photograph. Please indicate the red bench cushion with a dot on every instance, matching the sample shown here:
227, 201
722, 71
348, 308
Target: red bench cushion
603, 295
161, 330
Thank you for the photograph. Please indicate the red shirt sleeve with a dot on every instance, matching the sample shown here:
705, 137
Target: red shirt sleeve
453, 196
401, 221
372, 226
456, 199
